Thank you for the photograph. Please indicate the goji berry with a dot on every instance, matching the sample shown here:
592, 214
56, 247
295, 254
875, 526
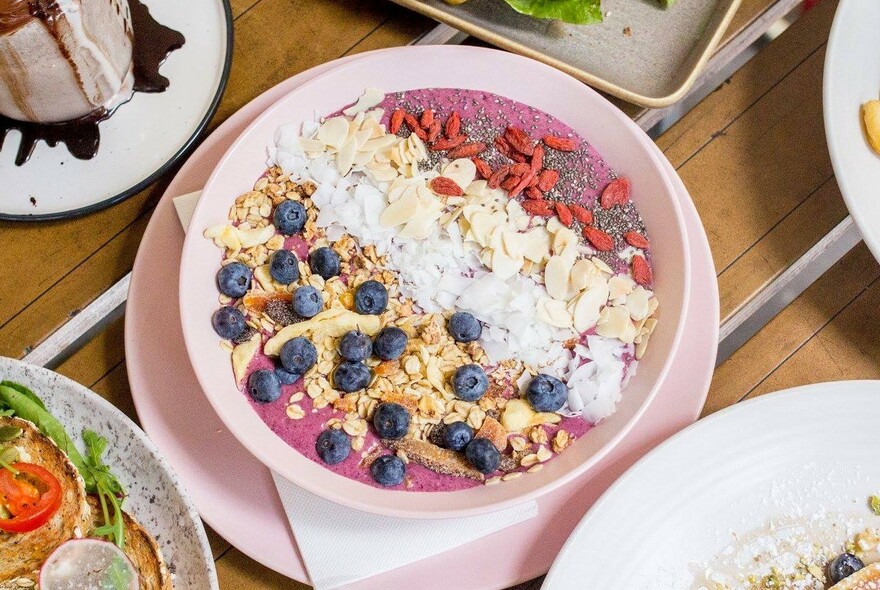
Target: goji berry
446, 187
641, 271
636, 240
616, 193
453, 125
563, 144
447, 144
483, 168
564, 214
498, 177
519, 140
582, 214
467, 150
426, 119
599, 239
396, 121
547, 179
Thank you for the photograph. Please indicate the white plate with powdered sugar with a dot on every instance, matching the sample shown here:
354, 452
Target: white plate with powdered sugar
780, 475
142, 139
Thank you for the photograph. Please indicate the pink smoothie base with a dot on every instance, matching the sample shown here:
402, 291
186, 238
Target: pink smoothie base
178, 417
484, 116
609, 130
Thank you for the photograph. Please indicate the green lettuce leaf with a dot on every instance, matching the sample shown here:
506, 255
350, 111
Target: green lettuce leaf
576, 12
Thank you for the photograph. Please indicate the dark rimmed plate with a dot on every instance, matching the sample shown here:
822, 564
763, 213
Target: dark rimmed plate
143, 139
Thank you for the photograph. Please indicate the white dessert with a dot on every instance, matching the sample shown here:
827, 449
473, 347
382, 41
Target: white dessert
64, 59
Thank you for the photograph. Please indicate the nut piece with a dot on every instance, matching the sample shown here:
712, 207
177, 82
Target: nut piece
871, 118
493, 431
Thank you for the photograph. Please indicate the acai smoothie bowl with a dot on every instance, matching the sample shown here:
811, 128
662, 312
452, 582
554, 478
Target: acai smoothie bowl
417, 296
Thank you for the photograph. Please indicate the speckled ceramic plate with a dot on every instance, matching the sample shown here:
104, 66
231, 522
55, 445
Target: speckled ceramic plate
156, 497
640, 52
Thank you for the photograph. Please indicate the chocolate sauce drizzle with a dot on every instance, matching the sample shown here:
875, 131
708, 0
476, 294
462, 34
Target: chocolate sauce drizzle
151, 45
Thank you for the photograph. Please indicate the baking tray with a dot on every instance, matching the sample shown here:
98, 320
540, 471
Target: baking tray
640, 53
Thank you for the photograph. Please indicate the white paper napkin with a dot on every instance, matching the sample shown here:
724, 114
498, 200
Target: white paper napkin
371, 544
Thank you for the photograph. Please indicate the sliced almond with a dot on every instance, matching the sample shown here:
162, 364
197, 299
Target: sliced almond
620, 286
637, 303
400, 211
333, 132
613, 322
369, 99
554, 312
461, 171
504, 265
582, 273
345, 158
588, 305
556, 277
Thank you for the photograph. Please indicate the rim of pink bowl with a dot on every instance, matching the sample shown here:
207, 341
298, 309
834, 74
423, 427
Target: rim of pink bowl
232, 407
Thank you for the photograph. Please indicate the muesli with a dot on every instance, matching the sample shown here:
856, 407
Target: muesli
434, 289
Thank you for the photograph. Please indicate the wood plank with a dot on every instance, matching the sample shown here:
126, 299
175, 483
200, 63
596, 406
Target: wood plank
780, 247
847, 347
718, 110
44, 254
237, 571
279, 38
763, 165
748, 367
75, 289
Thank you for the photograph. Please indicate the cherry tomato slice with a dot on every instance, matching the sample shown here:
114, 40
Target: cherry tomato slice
31, 504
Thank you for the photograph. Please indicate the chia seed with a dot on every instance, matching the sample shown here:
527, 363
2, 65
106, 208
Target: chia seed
281, 313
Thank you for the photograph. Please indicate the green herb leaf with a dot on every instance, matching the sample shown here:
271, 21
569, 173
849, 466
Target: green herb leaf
26, 408
108, 488
8, 456
874, 502
118, 576
25, 392
576, 12
7, 412
10, 433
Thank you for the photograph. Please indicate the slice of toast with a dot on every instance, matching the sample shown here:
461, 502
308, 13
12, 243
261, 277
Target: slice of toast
435, 458
22, 554
867, 578
142, 549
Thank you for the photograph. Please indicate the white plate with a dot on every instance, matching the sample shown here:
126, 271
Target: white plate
852, 77
155, 496
142, 139
804, 451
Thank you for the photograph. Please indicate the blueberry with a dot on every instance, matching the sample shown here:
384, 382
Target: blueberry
355, 346
843, 566
546, 393
333, 446
390, 343
388, 470
264, 386
483, 455
286, 377
348, 376
234, 280
470, 382
307, 302
464, 327
298, 355
457, 435
290, 218
284, 267
370, 298
324, 262
229, 323
391, 420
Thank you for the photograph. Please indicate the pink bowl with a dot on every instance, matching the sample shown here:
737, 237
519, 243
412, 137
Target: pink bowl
626, 148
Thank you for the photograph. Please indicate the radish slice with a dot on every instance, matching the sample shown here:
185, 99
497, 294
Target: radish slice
88, 564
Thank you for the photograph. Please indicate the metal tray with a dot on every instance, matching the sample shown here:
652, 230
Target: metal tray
640, 53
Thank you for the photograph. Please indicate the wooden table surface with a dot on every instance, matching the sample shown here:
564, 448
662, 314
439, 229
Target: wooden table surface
752, 155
